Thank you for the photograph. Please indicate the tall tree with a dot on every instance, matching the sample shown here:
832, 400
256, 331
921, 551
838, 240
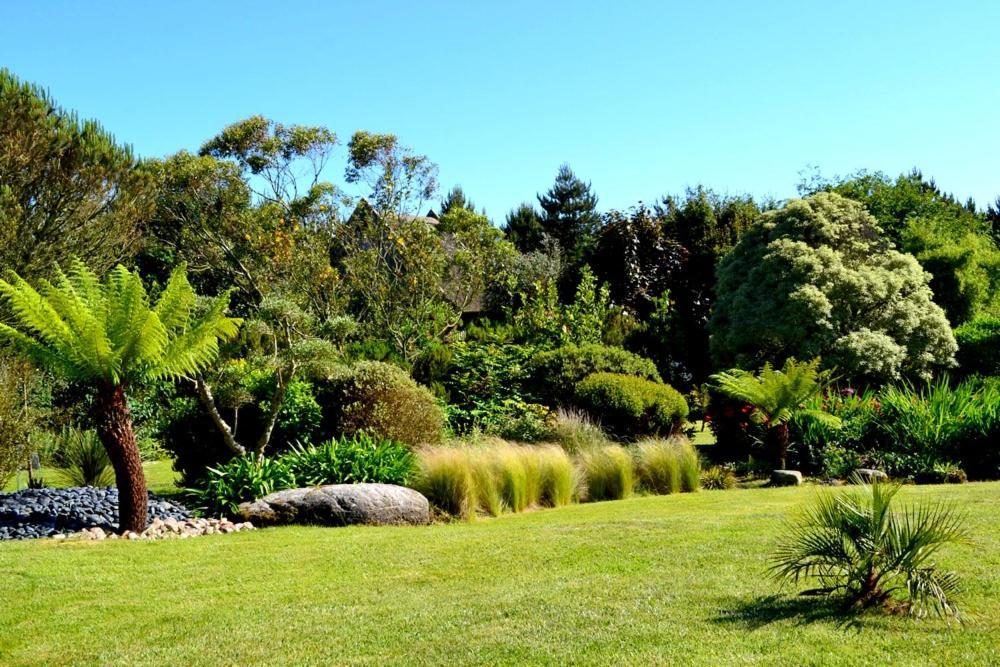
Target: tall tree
67, 189
400, 181
106, 333
524, 228
456, 199
570, 216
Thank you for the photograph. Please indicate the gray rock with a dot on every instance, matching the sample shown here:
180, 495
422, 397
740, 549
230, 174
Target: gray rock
869, 475
339, 505
786, 478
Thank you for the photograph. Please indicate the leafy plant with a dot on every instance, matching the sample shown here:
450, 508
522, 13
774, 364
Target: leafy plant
82, 459
242, 479
857, 545
350, 460
555, 373
778, 396
718, 477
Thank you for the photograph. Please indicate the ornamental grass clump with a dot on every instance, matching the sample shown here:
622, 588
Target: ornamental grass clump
607, 474
557, 476
855, 544
445, 476
82, 459
667, 466
576, 432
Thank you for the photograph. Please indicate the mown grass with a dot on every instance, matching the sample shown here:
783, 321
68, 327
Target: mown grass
160, 477
651, 580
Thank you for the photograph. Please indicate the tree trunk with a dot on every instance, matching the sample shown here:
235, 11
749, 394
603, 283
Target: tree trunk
114, 427
779, 441
208, 402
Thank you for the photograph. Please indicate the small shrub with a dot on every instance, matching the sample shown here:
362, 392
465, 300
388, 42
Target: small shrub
941, 473
607, 474
629, 406
242, 479
667, 466
555, 374
445, 476
576, 432
82, 459
979, 346
510, 419
718, 477
383, 401
856, 545
350, 460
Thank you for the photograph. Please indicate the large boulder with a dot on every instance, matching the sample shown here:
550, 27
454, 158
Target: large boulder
786, 478
869, 475
339, 505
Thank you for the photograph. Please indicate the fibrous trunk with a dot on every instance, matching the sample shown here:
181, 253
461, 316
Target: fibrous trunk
114, 427
779, 441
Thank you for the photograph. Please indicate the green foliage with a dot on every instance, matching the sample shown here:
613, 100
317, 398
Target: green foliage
545, 322
667, 466
82, 459
524, 228
607, 473
448, 481
979, 346
106, 331
855, 544
629, 406
555, 373
818, 279
350, 460
18, 416
383, 401
776, 395
399, 179
242, 479
67, 188
569, 215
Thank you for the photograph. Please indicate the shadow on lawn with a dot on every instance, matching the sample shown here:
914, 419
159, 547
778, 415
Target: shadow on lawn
761, 611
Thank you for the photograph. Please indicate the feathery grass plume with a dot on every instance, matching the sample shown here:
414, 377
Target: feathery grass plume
658, 466
483, 464
608, 473
512, 476
857, 545
558, 476
576, 432
690, 465
446, 478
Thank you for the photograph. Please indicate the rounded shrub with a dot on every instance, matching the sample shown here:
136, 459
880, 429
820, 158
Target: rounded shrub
383, 401
555, 373
979, 346
630, 406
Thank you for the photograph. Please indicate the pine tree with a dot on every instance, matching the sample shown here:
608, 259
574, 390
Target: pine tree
456, 199
524, 228
570, 214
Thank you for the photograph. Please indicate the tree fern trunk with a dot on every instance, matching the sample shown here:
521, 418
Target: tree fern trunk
779, 435
114, 427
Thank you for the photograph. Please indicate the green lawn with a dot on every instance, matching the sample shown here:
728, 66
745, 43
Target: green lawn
668, 580
160, 476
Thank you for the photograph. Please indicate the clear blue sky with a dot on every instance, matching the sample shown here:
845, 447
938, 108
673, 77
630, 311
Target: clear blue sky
641, 98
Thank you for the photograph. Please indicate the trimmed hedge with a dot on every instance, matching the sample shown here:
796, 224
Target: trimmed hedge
629, 406
555, 373
383, 401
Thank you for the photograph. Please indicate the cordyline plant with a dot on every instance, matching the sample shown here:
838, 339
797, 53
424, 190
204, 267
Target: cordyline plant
855, 544
105, 333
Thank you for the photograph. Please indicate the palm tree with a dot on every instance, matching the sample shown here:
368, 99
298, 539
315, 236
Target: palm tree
778, 396
855, 544
105, 333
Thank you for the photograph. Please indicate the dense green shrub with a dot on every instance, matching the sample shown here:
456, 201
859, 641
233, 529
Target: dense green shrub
979, 346
242, 479
667, 466
509, 418
381, 400
607, 474
717, 477
555, 373
629, 406
350, 460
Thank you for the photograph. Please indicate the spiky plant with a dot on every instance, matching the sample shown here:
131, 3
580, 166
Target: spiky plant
106, 333
856, 544
778, 396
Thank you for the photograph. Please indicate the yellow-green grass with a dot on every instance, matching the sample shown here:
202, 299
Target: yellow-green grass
669, 580
160, 477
